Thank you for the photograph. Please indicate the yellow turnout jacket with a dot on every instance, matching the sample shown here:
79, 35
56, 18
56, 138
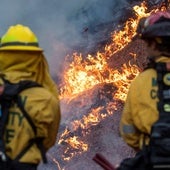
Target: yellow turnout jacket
140, 110
41, 103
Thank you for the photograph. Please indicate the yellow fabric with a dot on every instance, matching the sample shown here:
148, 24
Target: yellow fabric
24, 65
42, 104
140, 110
43, 108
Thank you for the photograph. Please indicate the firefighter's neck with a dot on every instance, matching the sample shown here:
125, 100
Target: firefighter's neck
152, 50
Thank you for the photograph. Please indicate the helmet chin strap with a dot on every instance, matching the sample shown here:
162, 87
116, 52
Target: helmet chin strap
153, 58
166, 54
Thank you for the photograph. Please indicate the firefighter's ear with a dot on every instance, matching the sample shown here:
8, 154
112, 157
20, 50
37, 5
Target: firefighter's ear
1, 90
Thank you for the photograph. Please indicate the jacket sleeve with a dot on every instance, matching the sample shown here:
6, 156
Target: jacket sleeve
128, 130
46, 116
53, 126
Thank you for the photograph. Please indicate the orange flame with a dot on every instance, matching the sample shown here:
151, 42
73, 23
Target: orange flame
84, 74
75, 143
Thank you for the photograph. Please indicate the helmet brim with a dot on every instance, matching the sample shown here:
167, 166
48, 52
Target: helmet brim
20, 48
157, 30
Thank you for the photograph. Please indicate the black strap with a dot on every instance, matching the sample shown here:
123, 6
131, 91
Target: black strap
17, 43
3, 120
26, 115
38, 141
11, 93
163, 81
19, 156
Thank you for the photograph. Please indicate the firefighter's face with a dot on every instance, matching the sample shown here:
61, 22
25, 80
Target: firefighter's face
152, 50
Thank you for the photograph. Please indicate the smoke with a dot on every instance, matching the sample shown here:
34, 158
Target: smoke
60, 25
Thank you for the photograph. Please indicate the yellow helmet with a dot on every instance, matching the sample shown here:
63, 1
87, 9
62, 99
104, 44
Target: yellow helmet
19, 37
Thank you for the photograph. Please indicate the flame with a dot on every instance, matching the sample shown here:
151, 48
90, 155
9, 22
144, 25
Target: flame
75, 144
83, 75
123, 80
85, 72
123, 37
92, 119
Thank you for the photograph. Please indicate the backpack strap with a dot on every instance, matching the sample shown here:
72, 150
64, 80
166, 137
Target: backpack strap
38, 141
163, 81
159, 148
3, 120
18, 100
11, 93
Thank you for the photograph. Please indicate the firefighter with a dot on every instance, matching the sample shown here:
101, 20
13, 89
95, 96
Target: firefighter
21, 58
140, 109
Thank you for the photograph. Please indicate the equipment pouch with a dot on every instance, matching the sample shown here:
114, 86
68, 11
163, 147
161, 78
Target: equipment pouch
134, 163
160, 144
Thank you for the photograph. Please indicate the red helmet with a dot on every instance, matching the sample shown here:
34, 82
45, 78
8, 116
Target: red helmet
156, 25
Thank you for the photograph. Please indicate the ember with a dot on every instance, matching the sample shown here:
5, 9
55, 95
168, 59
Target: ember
92, 93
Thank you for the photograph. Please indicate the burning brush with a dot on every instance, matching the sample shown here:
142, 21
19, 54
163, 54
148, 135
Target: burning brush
84, 74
